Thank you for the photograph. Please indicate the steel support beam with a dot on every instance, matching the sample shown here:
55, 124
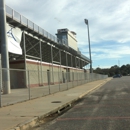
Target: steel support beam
60, 60
79, 64
4, 49
41, 62
59, 69
52, 63
67, 68
71, 61
66, 61
33, 57
76, 69
32, 47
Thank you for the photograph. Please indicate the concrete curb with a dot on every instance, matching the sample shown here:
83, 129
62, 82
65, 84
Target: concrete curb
34, 121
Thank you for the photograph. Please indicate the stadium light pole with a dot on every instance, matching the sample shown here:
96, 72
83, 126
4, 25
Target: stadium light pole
4, 49
86, 22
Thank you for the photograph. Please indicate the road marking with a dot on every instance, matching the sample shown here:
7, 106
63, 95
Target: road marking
93, 118
85, 106
104, 100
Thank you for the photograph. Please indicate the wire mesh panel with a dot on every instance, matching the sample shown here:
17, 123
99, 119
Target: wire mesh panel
63, 81
75, 82
92, 77
79, 79
63, 86
32, 84
37, 88
86, 78
19, 90
70, 80
55, 85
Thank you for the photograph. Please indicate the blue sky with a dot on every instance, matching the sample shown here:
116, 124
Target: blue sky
109, 25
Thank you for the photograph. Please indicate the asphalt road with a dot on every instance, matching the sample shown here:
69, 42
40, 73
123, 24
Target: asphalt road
107, 108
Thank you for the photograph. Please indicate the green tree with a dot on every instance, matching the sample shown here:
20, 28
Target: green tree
123, 70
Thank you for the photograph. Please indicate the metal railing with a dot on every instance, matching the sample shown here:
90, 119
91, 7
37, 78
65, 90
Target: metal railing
30, 84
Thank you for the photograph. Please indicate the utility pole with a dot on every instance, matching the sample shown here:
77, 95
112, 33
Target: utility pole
4, 49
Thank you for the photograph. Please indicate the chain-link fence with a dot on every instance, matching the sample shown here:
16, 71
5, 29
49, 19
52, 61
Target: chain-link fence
30, 84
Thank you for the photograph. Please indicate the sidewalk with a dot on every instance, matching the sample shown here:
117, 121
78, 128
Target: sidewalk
24, 115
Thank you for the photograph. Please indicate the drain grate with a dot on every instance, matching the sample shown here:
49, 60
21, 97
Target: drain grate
56, 102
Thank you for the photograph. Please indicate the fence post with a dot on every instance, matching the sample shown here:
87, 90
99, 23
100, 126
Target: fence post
82, 78
67, 80
29, 85
88, 77
77, 78
72, 79
49, 82
0, 86
59, 78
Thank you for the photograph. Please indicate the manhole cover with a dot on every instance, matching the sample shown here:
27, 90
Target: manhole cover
56, 102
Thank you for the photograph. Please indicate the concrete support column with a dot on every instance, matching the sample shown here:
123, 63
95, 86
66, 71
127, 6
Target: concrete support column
4, 49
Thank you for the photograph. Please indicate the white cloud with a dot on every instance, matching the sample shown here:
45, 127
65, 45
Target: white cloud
108, 52
108, 21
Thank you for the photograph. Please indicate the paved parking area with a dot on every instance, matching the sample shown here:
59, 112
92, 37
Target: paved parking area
107, 108
27, 114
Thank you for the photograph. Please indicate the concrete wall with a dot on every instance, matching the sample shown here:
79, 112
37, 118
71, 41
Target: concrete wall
17, 64
17, 79
45, 73
39, 74
72, 42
